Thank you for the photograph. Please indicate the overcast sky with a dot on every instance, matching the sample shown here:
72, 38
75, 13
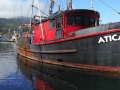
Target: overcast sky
7, 8
21, 7
107, 14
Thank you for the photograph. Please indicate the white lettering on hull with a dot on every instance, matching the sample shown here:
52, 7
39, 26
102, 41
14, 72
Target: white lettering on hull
109, 38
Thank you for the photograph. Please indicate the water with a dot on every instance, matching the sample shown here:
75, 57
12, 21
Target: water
16, 76
11, 78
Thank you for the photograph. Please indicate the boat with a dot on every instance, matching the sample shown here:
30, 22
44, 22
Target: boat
14, 37
4, 39
72, 38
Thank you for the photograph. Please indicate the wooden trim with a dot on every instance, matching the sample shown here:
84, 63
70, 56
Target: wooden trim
77, 66
50, 52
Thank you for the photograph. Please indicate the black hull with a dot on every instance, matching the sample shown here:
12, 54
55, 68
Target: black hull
86, 51
69, 78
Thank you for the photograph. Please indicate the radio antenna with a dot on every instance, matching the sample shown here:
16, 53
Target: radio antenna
91, 4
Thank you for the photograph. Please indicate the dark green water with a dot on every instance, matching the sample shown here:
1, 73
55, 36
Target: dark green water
16, 76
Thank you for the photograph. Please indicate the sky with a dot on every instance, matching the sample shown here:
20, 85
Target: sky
17, 8
7, 8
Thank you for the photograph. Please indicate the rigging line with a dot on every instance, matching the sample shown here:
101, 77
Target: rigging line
63, 3
14, 18
45, 6
35, 12
41, 21
42, 15
27, 13
110, 7
66, 5
40, 10
60, 3
21, 15
66, 2
21, 18
14, 14
47, 9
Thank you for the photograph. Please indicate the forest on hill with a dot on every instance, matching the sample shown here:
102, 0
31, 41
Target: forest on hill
7, 26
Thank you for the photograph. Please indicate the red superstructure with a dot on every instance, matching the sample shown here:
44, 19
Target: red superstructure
64, 23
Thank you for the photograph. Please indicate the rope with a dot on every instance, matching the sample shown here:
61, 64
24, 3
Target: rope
45, 6
110, 7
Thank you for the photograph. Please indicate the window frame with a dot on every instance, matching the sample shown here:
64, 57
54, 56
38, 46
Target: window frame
52, 24
58, 23
79, 21
68, 21
88, 19
84, 21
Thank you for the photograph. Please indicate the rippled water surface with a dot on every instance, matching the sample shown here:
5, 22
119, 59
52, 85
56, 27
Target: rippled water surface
11, 78
16, 76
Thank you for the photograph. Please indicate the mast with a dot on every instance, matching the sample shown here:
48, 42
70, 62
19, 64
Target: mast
21, 14
19, 27
32, 4
14, 18
66, 4
51, 6
69, 5
91, 4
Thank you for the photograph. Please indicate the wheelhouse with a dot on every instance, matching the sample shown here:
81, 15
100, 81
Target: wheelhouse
61, 24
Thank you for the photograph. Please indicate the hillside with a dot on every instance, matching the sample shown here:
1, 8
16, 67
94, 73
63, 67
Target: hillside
12, 24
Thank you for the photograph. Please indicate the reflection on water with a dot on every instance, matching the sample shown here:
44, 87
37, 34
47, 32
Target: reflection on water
10, 76
62, 78
14, 75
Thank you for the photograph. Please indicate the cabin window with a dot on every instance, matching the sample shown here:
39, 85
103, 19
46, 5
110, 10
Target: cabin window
92, 21
74, 20
86, 21
97, 21
70, 20
81, 21
78, 20
52, 24
58, 23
